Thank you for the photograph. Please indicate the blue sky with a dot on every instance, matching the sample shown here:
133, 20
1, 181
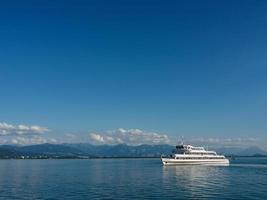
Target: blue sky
191, 68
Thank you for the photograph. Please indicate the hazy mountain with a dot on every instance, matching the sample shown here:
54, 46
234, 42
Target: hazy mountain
50, 149
47, 150
121, 150
155, 150
250, 151
9, 152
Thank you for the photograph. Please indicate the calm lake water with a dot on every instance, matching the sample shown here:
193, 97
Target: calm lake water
245, 178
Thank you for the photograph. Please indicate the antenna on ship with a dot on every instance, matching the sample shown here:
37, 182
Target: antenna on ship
182, 140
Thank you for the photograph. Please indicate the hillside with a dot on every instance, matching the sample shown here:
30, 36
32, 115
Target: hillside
84, 150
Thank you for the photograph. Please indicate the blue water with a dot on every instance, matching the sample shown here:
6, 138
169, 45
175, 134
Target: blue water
245, 178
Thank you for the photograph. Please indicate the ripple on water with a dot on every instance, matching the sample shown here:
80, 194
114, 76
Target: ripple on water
130, 179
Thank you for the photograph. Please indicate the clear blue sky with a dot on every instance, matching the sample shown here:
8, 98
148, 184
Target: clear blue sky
175, 67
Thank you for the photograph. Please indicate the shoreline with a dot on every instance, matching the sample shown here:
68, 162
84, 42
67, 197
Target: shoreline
117, 157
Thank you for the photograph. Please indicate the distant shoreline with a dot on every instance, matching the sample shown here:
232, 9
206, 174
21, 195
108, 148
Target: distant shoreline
122, 151
120, 157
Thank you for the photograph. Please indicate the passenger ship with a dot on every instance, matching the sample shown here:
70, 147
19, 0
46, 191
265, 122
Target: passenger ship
188, 154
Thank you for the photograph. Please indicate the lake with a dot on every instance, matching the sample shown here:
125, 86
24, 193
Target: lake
245, 178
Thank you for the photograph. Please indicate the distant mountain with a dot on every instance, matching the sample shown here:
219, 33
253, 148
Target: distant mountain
84, 150
123, 150
229, 150
50, 149
40, 150
250, 151
9, 152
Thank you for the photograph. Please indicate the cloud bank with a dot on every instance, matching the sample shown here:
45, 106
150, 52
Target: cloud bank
23, 134
18, 130
226, 142
128, 136
138, 137
34, 134
32, 140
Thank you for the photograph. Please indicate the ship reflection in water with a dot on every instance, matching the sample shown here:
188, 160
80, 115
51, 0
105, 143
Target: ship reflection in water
195, 181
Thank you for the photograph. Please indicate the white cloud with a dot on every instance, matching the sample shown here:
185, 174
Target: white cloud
32, 134
225, 142
31, 140
11, 130
137, 137
23, 134
128, 136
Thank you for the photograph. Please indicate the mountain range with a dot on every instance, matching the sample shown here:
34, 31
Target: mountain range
85, 150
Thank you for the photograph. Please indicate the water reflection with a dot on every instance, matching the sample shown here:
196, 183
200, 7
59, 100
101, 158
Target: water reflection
129, 179
196, 181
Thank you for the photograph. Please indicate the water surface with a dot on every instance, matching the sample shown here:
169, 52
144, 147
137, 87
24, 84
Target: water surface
245, 178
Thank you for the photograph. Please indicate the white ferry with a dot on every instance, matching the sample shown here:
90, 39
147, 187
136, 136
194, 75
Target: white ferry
188, 154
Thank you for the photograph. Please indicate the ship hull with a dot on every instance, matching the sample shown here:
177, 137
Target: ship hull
216, 162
